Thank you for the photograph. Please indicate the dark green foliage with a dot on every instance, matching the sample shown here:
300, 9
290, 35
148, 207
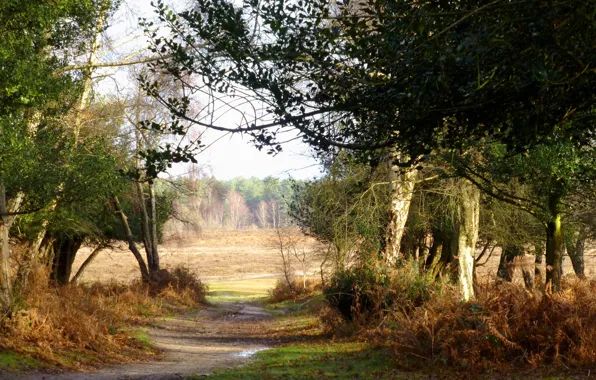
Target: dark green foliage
359, 290
421, 75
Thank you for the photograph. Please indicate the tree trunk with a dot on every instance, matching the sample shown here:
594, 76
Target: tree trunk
434, 250
5, 284
402, 189
86, 263
539, 252
145, 230
467, 235
506, 267
154, 237
575, 250
65, 251
131, 243
555, 244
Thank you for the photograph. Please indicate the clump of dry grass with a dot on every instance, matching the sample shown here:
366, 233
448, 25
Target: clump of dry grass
94, 322
505, 326
297, 289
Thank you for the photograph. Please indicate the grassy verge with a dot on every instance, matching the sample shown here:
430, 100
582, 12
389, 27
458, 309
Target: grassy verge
308, 360
14, 362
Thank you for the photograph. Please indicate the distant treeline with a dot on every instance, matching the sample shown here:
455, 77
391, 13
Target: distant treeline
239, 203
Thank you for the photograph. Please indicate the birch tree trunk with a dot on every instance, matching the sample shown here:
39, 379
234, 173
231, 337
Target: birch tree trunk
467, 235
402, 190
5, 284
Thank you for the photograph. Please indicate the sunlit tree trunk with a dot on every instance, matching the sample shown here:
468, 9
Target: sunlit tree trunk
555, 245
402, 190
75, 279
129, 238
5, 283
467, 234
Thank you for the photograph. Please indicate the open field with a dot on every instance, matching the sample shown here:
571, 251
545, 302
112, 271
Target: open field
212, 254
221, 255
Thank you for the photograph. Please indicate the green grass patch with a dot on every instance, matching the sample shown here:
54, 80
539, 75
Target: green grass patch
312, 361
11, 361
300, 306
240, 290
142, 337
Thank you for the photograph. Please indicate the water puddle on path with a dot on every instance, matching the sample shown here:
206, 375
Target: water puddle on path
249, 353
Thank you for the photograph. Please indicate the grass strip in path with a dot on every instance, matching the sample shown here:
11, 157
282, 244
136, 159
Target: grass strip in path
313, 361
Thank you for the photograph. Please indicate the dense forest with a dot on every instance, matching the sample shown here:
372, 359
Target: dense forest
450, 133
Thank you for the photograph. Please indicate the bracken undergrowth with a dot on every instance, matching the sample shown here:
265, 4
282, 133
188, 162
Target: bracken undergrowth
80, 325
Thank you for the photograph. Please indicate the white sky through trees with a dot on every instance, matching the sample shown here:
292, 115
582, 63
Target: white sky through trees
230, 155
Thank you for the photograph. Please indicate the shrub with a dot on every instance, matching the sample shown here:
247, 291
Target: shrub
298, 289
358, 291
185, 283
368, 293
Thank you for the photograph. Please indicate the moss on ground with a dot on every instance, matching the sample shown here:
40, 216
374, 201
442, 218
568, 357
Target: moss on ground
11, 361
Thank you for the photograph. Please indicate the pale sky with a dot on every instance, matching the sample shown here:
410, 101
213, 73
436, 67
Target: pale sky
232, 155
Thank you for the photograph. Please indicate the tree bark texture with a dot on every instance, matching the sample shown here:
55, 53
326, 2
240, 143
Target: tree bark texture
402, 189
467, 234
65, 251
555, 245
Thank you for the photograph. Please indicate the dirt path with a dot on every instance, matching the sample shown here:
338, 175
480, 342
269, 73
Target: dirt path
217, 337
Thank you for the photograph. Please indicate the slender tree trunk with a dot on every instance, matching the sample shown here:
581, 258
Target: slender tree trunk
131, 243
145, 230
402, 189
467, 235
539, 252
86, 263
575, 250
154, 236
434, 252
5, 284
555, 245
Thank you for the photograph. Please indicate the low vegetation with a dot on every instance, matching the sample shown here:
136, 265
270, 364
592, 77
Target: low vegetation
87, 325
